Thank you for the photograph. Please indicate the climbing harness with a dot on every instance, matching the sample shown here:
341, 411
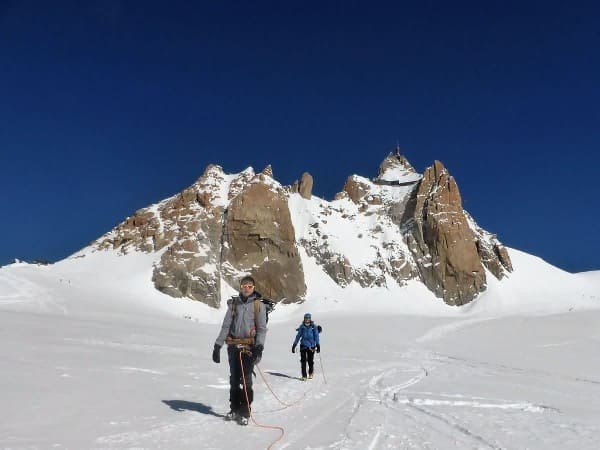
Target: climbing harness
240, 342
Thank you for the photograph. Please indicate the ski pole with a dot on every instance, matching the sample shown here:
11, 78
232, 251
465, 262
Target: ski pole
322, 371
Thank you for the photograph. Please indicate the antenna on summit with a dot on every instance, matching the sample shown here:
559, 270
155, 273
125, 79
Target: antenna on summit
397, 148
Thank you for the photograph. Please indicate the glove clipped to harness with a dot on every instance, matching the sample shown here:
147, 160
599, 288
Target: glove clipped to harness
257, 351
293, 349
318, 347
216, 356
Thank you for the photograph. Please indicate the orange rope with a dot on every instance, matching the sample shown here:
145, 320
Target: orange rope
250, 409
287, 405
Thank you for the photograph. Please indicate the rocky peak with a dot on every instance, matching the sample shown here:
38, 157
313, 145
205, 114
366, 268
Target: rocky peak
268, 171
447, 250
394, 167
224, 226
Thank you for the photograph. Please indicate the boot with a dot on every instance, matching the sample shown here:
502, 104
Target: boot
231, 415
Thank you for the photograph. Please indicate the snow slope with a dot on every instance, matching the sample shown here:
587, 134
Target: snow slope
94, 357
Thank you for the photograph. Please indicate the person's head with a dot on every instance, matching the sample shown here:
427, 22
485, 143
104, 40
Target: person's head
307, 318
247, 285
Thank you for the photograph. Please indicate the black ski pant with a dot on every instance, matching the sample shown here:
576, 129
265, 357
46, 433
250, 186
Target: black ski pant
307, 356
237, 397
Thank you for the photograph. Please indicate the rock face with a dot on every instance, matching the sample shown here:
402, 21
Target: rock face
393, 167
221, 227
443, 243
306, 185
449, 248
375, 253
385, 231
356, 189
189, 226
259, 238
437, 241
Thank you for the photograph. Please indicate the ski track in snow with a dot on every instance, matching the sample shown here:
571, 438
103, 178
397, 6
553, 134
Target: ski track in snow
407, 420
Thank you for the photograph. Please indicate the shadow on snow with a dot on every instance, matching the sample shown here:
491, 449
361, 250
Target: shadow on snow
183, 405
284, 375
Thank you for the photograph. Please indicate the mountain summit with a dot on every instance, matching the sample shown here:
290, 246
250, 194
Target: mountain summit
385, 231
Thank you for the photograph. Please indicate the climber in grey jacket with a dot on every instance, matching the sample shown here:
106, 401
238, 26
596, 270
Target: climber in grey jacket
244, 330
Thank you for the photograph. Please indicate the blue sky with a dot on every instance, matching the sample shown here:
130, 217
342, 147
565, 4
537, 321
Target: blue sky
109, 106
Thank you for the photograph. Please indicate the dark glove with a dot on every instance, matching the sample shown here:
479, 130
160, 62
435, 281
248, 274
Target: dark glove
257, 353
217, 353
294, 348
318, 347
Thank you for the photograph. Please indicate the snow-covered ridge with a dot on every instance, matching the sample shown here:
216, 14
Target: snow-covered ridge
348, 248
399, 175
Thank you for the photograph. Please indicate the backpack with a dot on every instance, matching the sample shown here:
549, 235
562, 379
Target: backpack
312, 324
269, 306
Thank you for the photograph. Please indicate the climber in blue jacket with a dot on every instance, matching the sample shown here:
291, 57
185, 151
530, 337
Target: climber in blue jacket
308, 336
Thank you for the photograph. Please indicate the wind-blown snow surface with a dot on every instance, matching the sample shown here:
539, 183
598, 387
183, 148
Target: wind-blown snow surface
93, 357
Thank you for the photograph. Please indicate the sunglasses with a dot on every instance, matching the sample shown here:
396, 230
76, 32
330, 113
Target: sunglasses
247, 285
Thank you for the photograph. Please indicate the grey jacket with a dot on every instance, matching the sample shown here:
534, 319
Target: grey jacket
242, 324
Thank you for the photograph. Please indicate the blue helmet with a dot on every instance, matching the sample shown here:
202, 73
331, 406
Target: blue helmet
307, 316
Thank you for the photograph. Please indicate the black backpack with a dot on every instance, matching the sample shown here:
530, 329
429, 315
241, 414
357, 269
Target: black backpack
269, 306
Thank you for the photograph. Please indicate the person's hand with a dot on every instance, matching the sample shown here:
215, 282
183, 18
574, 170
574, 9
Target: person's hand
217, 354
318, 348
257, 353
293, 348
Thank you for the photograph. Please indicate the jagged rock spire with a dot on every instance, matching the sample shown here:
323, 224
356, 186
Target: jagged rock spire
306, 185
395, 161
268, 171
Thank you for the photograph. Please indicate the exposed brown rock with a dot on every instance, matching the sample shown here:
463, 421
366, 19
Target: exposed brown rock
337, 266
492, 253
355, 189
294, 187
190, 227
184, 270
444, 245
306, 185
268, 171
260, 240
502, 253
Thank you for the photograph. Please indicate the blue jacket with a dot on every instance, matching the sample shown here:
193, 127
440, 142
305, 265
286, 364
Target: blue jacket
308, 335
